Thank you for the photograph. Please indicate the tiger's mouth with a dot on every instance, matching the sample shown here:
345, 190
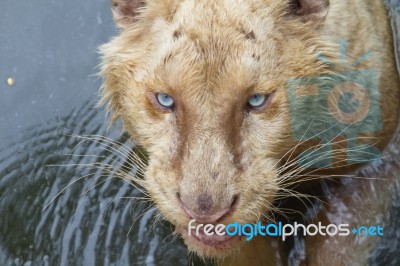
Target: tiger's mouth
209, 245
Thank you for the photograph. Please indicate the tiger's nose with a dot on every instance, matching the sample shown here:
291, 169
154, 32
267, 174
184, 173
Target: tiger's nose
205, 211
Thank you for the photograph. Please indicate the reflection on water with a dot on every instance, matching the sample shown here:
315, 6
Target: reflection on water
96, 220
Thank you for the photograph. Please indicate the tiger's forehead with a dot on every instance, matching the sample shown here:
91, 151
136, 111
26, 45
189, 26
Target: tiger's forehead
215, 21
223, 12
210, 49
209, 61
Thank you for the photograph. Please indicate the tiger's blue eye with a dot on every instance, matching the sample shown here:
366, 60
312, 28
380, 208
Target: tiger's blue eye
257, 101
165, 100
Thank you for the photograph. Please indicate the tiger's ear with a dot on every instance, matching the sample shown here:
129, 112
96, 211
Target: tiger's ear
126, 11
310, 10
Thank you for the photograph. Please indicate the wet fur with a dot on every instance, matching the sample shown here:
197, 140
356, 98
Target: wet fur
211, 56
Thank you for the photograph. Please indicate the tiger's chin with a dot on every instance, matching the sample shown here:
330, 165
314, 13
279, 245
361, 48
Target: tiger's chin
210, 246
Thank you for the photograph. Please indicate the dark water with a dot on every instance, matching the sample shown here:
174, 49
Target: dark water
92, 217
96, 220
